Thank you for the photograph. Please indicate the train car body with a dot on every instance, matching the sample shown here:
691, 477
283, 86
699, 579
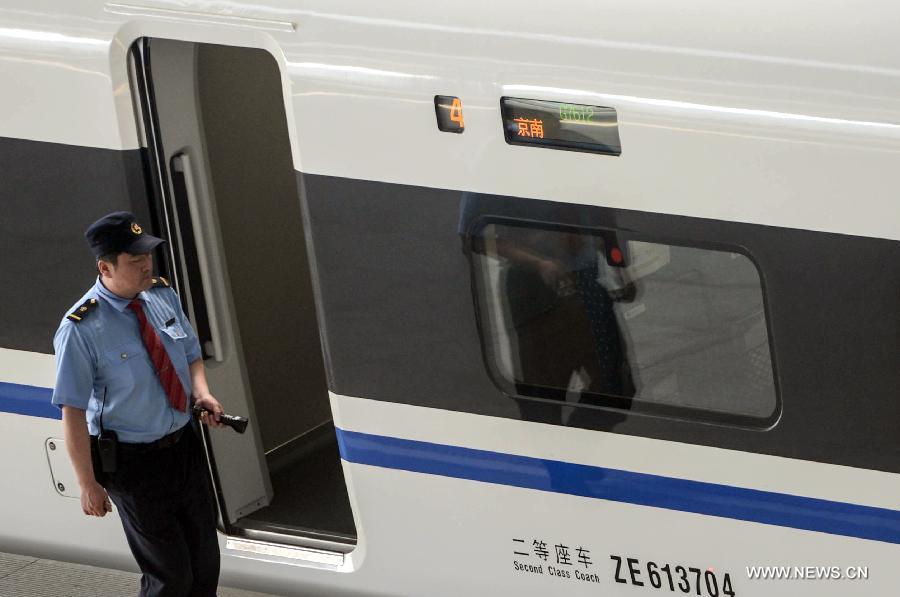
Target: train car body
628, 324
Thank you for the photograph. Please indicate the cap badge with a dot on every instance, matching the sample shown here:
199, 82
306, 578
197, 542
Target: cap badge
135, 228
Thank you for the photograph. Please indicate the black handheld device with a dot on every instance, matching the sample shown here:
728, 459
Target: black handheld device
107, 446
239, 424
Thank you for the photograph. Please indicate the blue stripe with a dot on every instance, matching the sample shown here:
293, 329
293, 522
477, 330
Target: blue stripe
27, 400
779, 509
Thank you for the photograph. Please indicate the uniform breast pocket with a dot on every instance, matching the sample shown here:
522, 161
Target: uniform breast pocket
121, 364
174, 331
174, 338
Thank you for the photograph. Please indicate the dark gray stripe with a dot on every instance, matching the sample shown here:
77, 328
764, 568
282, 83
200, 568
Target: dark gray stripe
49, 195
400, 325
399, 314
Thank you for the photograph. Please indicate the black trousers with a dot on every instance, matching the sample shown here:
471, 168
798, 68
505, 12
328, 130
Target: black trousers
165, 501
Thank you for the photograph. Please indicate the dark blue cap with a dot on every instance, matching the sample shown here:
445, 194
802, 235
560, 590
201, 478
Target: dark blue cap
119, 232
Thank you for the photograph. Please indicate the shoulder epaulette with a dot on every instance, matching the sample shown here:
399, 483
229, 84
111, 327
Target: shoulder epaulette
160, 282
83, 311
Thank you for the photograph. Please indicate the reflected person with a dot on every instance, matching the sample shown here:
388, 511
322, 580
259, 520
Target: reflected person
563, 334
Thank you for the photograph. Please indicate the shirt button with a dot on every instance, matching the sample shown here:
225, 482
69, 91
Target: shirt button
124, 355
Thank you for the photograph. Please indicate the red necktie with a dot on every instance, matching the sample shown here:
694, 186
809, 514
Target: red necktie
168, 377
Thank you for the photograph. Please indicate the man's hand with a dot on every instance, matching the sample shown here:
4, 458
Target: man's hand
208, 403
94, 500
550, 272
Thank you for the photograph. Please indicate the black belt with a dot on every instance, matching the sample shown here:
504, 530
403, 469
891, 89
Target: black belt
166, 441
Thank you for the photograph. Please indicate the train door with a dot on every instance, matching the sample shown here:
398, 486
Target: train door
220, 157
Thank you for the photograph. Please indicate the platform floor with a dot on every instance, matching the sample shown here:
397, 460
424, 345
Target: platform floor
25, 576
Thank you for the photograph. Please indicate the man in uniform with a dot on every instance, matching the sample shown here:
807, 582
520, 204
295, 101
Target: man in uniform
128, 363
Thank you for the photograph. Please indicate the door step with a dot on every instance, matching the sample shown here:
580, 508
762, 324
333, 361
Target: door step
293, 536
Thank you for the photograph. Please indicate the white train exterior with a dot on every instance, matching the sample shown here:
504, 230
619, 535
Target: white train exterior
765, 133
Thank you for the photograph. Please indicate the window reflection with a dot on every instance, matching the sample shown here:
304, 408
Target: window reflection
585, 316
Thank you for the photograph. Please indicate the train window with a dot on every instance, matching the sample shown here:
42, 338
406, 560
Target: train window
600, 319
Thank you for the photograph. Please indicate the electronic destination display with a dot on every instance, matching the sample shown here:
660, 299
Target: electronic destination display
558, 125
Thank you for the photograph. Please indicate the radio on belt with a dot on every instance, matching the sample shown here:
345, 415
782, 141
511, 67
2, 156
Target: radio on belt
558, 125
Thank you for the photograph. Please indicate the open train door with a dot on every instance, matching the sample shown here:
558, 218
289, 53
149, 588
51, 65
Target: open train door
216, 129
190, 223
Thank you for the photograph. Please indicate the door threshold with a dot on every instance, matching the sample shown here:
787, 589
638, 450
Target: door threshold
252, 547
293, 536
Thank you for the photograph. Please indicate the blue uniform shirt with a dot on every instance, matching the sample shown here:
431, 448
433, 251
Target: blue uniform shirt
104, 352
